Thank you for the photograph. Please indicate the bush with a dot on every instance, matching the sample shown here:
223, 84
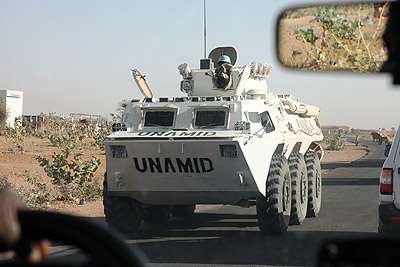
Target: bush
99, 136
3, 117
4, 183
71, 175
37, 196
65, 170
17, 133
336, 142
62, 132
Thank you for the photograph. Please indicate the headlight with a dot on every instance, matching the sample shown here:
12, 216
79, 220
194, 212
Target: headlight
228, 151
119, 152
118, 127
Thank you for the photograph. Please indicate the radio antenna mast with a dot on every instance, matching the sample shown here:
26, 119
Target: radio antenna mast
205, 30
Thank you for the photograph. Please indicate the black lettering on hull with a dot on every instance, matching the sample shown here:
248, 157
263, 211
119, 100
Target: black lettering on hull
144, 168
157, 133
173, 133
196, 165
203, 165
168, 165
155, 164
184, 167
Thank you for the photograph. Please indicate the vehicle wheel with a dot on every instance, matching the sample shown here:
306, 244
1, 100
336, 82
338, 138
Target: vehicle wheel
298, 176
157, 214
123, 213
273, 210
314, 183
183, 210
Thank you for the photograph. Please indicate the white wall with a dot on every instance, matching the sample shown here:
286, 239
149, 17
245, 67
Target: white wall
13, 101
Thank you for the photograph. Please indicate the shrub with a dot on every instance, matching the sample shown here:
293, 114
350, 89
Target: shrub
16, 133
336, 142
65, 170
99, 136
3, 117
62, 132
71, 175
37, 196
4, 183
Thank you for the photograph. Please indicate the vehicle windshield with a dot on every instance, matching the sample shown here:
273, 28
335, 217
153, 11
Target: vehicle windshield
210, 118
159, 118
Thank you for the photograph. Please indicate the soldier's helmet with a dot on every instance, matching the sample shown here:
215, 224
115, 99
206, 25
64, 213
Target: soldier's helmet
224, 59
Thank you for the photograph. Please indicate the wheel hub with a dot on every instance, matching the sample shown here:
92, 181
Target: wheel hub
318, 191
303, 188
285, 195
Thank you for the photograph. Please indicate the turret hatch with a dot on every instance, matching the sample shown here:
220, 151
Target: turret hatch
142, 84
219, 51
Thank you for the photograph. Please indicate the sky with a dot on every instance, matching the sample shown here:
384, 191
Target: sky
76, 56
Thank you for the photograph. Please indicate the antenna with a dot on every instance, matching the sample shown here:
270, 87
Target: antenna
205, 30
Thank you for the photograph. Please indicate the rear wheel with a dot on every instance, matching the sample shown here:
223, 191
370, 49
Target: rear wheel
123, 213
157, 214
273, 210
183, 210
298, 176
314, 183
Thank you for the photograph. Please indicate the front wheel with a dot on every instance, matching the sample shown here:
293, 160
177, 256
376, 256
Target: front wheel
123, 213
273, 210
314, 183
298, 175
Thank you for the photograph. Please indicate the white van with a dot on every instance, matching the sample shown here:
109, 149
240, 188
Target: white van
389, 189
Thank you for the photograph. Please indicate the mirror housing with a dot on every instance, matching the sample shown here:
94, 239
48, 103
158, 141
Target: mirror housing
340, 37
353, 37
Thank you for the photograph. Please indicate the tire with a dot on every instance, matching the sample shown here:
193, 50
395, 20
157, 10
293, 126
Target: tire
314, 183
123, 213
299, 180
157, 214
183, 210
273, 210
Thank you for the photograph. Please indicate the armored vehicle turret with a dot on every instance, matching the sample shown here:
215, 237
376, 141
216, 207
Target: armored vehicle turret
229, 141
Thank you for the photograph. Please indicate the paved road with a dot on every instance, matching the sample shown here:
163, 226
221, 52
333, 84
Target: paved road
227, 235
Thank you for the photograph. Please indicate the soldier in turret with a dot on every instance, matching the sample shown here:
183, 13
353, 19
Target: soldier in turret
223, 72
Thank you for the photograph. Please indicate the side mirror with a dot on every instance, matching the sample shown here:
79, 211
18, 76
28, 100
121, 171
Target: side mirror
387, 150
336, 37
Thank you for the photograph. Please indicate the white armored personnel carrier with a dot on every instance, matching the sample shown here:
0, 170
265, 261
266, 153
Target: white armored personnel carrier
239, 144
